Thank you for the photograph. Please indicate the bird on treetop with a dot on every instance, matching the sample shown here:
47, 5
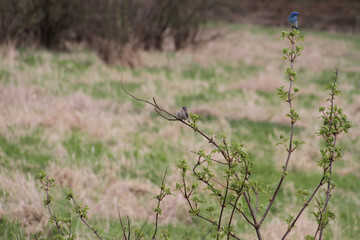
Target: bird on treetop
293, 20
183, 114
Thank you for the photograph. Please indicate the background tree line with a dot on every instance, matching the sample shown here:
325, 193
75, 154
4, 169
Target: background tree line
115, 28
108, 27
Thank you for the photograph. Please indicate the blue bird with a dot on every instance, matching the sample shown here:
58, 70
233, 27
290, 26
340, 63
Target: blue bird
293, 20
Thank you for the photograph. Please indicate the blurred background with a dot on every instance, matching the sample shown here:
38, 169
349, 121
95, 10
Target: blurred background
115, 28
62, 108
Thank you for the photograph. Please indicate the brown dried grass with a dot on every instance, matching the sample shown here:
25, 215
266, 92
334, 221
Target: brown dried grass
104, 192
22, 200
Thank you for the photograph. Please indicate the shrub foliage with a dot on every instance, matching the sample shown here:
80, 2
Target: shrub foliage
109, 27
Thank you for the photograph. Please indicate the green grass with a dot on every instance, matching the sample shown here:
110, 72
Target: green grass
112, 229
10, 149
11, 230
210, 94
150, 165
255, 29
83, 150
27, 152
258, 132
223, 72
31, 59
106, 89
196, 71
308, 101
73, 67
4, 76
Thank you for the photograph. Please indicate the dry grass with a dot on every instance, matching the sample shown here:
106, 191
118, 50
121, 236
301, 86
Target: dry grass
104, 192
22, 200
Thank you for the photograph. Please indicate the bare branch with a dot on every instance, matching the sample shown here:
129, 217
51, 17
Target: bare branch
69, 223
141, 229
169, 119
122, 225
207, 233
156, 106
129, 227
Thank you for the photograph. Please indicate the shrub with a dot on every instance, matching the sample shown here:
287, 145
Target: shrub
111, 28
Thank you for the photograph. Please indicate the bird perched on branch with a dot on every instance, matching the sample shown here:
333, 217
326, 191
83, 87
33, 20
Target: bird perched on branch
183, 114
293, 20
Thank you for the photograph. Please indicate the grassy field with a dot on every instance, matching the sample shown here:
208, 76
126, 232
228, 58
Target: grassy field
66, 113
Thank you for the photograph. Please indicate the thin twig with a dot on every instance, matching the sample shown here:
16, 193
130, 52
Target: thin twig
157, 107
122, 225
46, 186
198, 214
290, 141
69, 222
129, 227
257, 226
169, 119
214, 160
257, 200
317, 231
223, 204
141, 229
207, 233
234, 206
160, 198
331, 126
220, 195
303, 208
84, 220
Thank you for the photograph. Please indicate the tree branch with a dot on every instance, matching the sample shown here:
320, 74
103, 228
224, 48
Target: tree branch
160, 198
292, 39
